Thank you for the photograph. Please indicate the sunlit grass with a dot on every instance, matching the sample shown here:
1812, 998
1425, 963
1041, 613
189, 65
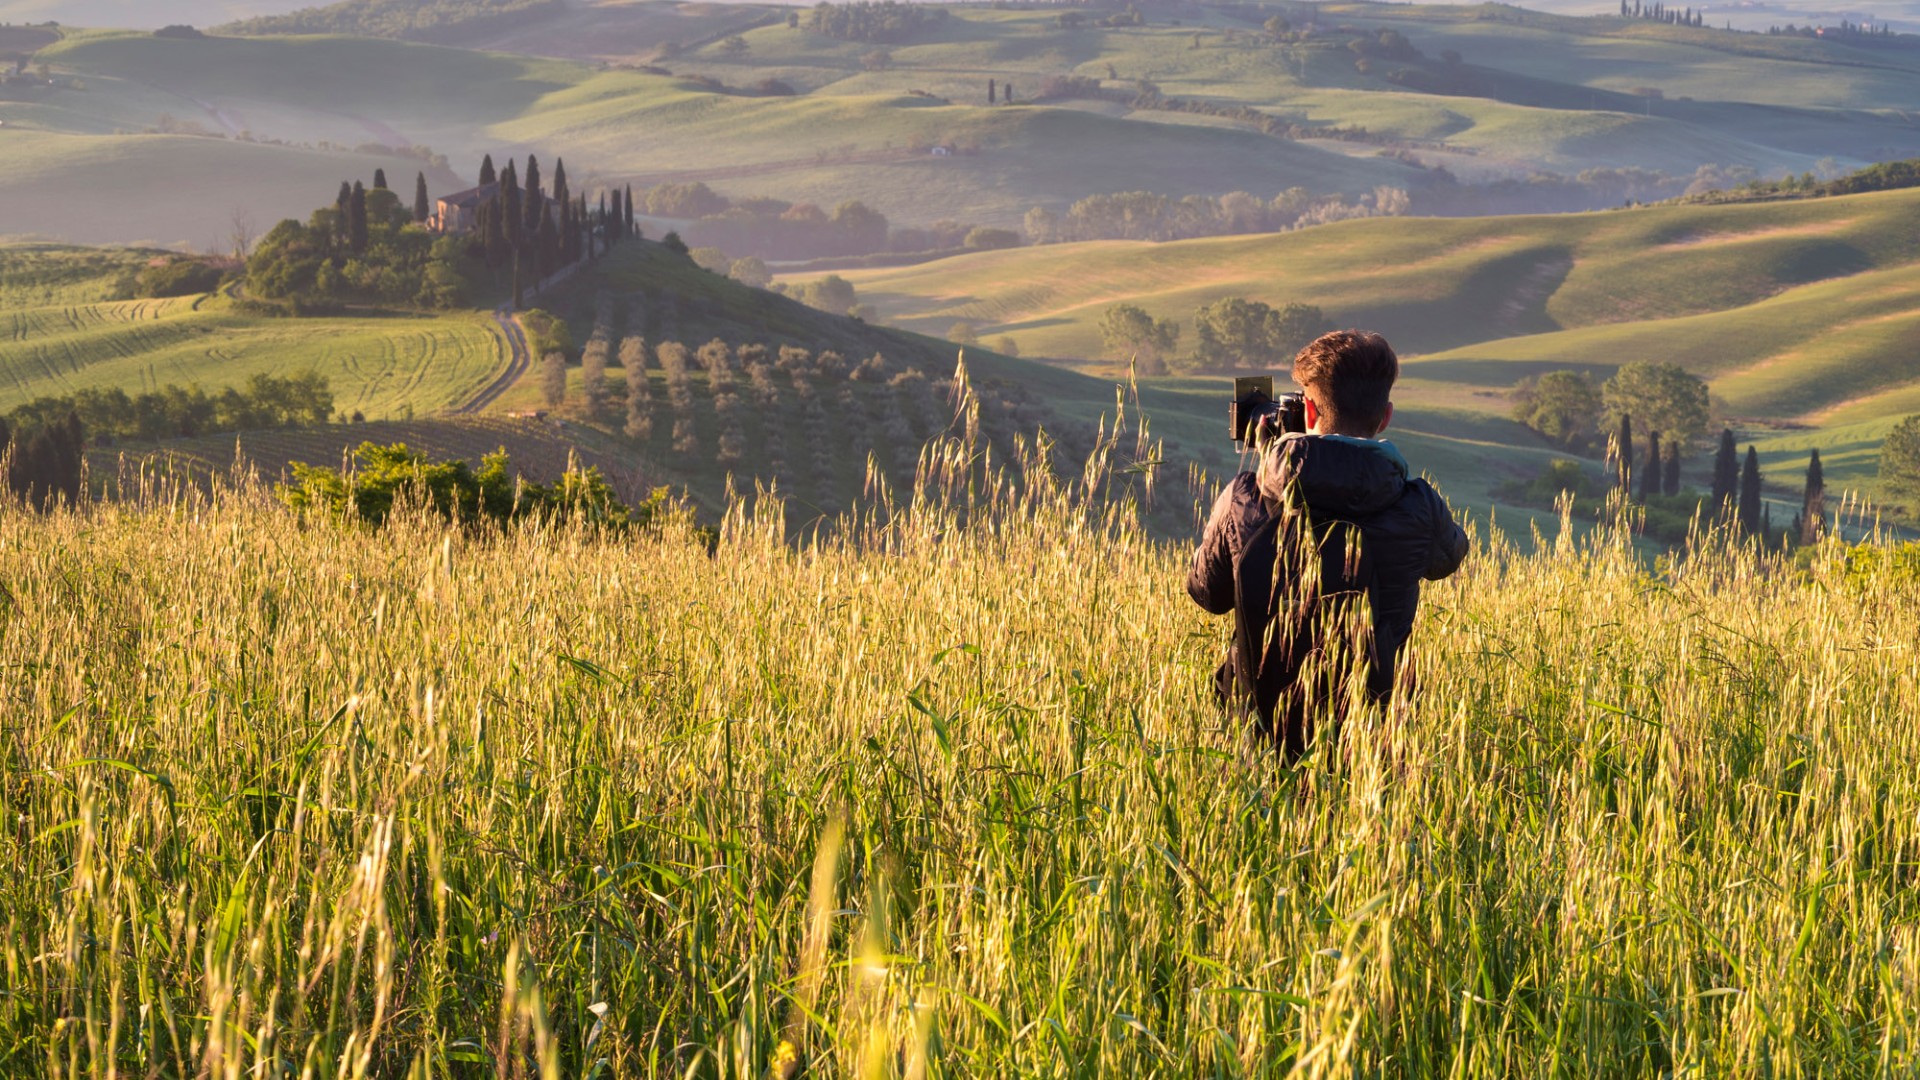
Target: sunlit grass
942, 795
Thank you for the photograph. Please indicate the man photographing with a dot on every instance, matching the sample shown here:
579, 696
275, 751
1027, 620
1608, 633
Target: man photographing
1330, 517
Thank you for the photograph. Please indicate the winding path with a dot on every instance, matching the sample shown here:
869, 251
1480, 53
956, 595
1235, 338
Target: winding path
517, 364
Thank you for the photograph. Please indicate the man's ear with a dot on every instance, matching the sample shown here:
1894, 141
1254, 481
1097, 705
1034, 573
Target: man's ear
1387, 419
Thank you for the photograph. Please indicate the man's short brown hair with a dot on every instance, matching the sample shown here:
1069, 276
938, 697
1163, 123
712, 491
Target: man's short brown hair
1349, 374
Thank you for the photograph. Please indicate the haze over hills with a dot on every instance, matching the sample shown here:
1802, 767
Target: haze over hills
912, 134
141, 14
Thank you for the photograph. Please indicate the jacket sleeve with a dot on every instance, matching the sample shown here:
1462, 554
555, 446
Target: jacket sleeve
1448, 548
1210, 581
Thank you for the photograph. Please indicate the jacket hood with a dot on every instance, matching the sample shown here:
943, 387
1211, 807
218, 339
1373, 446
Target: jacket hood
1336, 475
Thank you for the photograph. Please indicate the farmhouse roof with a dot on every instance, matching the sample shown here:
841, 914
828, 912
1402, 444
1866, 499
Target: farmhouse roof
472, 196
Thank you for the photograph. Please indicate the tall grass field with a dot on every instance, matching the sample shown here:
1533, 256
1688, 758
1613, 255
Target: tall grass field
940, 793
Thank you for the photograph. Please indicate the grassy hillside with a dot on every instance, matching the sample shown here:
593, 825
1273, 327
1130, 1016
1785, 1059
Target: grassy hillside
1431, 284
383, 365
1799, 314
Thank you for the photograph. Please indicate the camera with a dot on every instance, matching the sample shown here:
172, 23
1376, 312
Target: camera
1253, 402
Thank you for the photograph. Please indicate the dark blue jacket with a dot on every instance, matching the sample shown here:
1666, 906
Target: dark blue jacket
1291, 550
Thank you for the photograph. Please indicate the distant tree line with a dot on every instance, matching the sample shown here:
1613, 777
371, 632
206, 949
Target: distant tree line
1850, 33
1661, 13
533, 231
1147, 215
1884, 176
411, 20
885, 22
266, 401
769, 228
1230, 334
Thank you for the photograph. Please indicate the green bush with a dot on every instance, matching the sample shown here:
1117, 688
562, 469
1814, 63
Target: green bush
380, 476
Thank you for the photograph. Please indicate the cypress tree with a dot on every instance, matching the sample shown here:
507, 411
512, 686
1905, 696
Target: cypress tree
547, 247
1672, 484
357, 219
1750, 503
343, 203
991, 92
1624, 448
513, 212
1650, 479
629, 219
1726, 473
534, 197
379, 179
486, 171
422, 206
560, 193
1813, 502
519, 286
8, 461
614, 227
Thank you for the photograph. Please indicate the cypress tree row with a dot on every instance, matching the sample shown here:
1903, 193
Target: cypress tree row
486, 171
1726, 473
1751, 511
1672, 484
629, 210
422, 206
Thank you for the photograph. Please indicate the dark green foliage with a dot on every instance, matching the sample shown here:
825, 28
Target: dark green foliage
1560, 477
494, 494
47, 460
1652, 474
1564, 406
535, 199
487, 175
357, 219
1239, 334
629, 211
546, 332
267, 401
409, 20
1813, 502
512, 205
1671, 486
177, 277
885, 21
1664, 397
422, 206
1726, 473
179, 30
314, 267
380, 179
673, 243
1752, 510
1900, 457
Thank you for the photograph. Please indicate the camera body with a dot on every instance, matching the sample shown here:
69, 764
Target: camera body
1253, 402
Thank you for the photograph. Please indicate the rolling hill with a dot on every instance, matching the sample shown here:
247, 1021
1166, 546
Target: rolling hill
1527, 92
1803, 316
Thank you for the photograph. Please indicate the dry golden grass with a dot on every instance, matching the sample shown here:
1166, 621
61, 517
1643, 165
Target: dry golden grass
941, 796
